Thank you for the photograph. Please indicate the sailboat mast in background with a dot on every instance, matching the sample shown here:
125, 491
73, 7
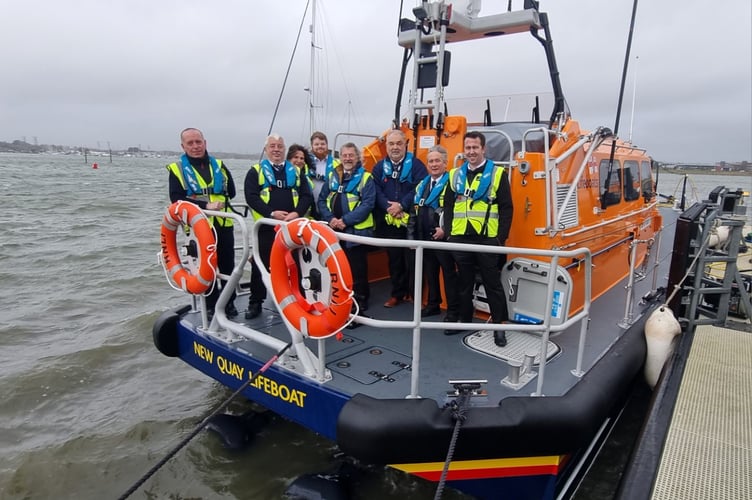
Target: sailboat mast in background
312, 76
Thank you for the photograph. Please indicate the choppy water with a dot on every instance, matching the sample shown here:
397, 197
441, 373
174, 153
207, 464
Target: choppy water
87, 404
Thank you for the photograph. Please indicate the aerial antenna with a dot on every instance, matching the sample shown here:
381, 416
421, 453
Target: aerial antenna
618, 106
311, 97
289, 65
634, 96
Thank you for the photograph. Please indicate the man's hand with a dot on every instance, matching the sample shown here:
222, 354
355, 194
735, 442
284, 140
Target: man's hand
215, 205
394, 209
337, 224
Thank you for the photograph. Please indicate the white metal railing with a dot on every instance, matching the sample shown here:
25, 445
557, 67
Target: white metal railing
313, 365
545, 329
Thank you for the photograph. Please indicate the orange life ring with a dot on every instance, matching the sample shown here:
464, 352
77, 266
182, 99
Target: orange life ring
318, 320
184, 213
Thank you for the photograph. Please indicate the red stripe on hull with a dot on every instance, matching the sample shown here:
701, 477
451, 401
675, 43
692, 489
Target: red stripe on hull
458, 475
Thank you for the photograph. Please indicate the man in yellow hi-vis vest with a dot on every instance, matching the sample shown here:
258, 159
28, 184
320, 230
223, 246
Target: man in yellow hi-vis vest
274, 189
206, 181
478, 210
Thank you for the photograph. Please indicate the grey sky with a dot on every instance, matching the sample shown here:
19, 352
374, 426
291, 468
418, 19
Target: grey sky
135, 73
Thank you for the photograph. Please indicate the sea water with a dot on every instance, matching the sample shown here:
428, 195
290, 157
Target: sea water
87, 403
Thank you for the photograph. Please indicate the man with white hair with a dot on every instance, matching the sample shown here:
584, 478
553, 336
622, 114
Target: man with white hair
274, 189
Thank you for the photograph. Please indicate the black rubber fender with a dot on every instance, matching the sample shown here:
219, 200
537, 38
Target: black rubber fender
384, 431
165, 331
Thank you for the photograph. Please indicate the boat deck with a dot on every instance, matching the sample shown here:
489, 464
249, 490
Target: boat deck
379, 361
708, 450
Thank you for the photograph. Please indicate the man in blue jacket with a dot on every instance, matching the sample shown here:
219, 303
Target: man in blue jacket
396, 177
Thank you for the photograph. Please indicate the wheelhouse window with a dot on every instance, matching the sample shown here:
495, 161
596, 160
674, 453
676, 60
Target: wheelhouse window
610, 183
631, 180
646, 179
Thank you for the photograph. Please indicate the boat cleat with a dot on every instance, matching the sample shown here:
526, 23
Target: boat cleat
474, 388
520, 372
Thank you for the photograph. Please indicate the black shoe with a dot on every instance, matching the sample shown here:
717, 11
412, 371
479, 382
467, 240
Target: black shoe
360, 305
429, 311
253, 311
353, 325
500, 339
230, 310
449, 319
458, 332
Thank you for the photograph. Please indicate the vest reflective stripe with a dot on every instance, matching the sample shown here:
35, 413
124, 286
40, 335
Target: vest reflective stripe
207, 189
353, 200
266, 190
466, 210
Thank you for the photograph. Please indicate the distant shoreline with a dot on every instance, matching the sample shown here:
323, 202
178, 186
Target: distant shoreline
702, 171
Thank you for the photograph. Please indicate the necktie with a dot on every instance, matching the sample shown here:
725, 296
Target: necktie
433, 184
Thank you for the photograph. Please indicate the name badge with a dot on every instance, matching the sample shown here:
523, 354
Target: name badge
280, 184
340, 189
468, 193
395, 174
421, 202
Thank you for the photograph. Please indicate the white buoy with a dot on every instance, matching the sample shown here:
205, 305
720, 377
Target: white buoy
661, 328
719, 237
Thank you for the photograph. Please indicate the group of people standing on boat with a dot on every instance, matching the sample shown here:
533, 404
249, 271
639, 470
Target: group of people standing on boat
401, 198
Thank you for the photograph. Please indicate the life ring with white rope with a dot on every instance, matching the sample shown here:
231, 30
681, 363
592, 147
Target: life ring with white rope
319, 319
184, 213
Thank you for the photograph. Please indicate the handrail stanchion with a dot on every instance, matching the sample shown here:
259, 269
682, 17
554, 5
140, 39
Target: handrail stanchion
627, 319
657, 261
543, 357
417, 301
585, 321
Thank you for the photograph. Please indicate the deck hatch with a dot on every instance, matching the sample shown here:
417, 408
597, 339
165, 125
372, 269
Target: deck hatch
372, 364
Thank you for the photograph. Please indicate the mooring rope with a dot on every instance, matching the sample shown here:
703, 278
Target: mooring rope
203, 424
459, 416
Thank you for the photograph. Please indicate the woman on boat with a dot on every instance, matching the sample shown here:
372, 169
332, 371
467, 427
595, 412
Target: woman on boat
346, 203
425, 224
298, 155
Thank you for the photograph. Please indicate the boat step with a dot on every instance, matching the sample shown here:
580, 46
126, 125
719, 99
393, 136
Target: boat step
518, 345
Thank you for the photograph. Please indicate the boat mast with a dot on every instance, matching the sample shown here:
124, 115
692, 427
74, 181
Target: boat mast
312, 69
